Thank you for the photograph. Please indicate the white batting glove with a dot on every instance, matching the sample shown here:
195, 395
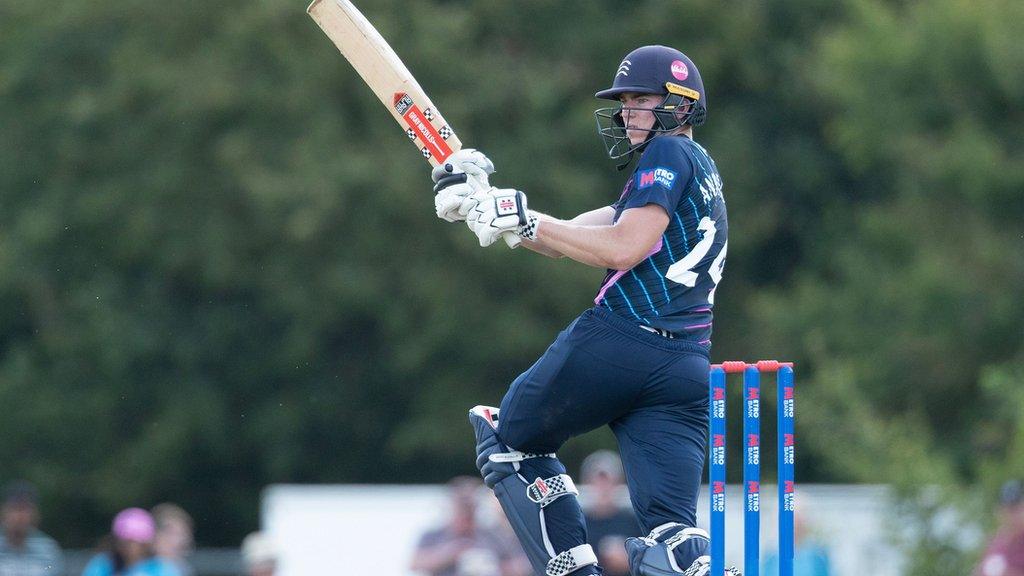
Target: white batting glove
500, 212
462, 175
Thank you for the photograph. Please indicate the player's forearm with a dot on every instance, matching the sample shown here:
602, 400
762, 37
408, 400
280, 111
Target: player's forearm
598, 246
601, 216
541, 249
538, 246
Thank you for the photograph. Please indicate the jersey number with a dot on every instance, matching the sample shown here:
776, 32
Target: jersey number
682, 271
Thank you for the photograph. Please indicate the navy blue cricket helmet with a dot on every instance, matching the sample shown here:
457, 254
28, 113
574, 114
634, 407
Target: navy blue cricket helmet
654, 70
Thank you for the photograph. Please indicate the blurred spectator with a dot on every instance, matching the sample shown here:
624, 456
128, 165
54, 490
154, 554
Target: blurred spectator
1004, 555
173, 540
130, 549
810, 557
492, 516
462, 547
259, 555
24, 550
608, 522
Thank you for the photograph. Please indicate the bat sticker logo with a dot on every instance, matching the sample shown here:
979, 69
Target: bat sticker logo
402, 103
419, 126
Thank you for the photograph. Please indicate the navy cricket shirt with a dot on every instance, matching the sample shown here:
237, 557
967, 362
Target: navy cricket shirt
673, 288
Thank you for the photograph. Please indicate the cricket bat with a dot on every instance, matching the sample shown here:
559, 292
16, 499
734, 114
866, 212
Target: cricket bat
383, 71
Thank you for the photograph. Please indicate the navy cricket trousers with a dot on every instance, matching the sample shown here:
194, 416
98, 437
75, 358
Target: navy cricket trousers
652, 391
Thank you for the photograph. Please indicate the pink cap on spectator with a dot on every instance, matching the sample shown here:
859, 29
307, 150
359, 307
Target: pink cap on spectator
134, 524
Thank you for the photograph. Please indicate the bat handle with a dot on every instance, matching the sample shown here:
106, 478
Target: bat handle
511, 238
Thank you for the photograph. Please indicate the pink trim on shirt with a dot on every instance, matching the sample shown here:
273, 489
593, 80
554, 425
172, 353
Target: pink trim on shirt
620, 273
612, 280
695, 326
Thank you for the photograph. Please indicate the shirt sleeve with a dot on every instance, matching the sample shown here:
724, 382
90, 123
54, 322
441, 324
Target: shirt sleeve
661, 176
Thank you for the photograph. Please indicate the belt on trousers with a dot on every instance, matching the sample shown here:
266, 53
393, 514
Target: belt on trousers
658, 331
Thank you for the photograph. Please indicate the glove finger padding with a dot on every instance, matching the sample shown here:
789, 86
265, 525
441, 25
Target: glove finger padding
474, 207
497, 212
449, 201
468, 161
451, 196
478, 176
449, 180
463, 174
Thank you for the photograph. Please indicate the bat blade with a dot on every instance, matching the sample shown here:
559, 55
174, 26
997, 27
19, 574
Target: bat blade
383, 71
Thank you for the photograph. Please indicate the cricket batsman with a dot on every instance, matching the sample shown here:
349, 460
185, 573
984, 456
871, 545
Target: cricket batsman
638, 360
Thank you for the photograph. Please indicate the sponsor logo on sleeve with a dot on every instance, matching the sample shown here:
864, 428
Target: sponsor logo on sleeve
660, 176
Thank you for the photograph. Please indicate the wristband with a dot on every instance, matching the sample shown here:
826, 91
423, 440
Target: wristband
529, 230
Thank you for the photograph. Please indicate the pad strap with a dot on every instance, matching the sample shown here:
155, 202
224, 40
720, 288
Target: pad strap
683, 535
516, 456
570, 560
546, 491
661, 529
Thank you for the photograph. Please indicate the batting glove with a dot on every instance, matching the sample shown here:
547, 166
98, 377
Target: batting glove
500, 211
462, 175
